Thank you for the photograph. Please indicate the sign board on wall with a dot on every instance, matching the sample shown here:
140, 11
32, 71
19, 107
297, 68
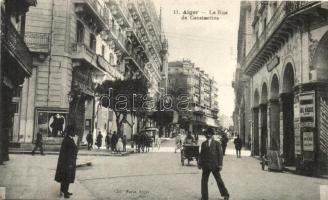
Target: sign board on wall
308, 141
297, 127
307, 109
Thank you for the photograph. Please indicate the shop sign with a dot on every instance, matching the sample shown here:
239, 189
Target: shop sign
307, 109
308, 142
83, 81
273, 63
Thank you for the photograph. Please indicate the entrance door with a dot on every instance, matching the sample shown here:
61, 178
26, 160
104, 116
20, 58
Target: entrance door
256, 132
289, 140
264, 129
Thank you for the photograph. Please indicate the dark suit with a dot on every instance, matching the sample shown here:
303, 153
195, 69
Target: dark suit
210, 158
66, 166
38, 143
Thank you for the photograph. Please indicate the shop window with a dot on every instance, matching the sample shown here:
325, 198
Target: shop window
51, 123
93, 42
79, 32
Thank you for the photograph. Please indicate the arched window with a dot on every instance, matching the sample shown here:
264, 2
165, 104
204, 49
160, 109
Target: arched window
79, 32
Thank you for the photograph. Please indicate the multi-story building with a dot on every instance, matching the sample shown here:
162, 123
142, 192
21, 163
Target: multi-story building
16, 65
186, 79
282, 49
77, 44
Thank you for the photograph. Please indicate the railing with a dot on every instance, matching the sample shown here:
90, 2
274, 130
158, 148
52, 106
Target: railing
83, 48
284, 10
294, 6
144, 25
124, 9
99, 10
38, 42
15, 43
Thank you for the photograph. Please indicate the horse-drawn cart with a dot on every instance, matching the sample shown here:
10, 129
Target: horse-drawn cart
189, 152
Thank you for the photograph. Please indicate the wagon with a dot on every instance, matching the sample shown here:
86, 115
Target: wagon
189, 152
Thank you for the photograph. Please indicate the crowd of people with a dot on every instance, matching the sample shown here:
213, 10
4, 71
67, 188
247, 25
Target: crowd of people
115, 142
143, 142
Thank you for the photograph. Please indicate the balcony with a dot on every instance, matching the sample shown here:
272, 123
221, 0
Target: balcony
113, 34
92, 11
15, 45
120, 11
278, 30
86, 56
145, 35
37, 42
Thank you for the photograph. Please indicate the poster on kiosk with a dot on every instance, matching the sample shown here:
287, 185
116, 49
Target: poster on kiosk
307, 124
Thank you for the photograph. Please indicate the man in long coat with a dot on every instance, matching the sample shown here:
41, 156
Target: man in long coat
66, 166
211, 160
114, 141
238, 144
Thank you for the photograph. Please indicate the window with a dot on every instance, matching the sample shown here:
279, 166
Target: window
103, 50
264, 23
79, 32
111, 59
93, 42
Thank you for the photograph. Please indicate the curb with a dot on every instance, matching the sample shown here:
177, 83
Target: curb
79, 154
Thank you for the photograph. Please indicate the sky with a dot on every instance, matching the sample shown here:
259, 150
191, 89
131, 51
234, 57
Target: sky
210, 44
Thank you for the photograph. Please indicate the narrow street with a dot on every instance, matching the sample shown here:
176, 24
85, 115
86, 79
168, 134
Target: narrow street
154, 175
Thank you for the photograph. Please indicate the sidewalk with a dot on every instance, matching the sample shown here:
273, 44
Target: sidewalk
82, 152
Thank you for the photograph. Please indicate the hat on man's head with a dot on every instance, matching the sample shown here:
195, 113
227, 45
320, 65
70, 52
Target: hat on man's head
210, 131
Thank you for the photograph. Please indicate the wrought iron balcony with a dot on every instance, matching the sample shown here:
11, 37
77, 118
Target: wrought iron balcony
267, 41
93, 8
14, 43
120, 11
146, 38
37, 42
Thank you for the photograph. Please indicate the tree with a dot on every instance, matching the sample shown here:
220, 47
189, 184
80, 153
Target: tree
126, 97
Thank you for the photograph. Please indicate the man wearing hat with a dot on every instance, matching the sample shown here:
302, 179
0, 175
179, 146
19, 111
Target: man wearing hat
210, 160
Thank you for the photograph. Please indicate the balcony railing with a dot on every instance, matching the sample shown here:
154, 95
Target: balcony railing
83, 52
284, 10
119, 8
16, 45
100, 12
294, 6
37, 42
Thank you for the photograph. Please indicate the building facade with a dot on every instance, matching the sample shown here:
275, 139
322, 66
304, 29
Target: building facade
76, 45
187, 79
281, 63
16, 66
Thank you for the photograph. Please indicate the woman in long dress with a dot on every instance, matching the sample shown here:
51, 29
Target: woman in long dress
119, 145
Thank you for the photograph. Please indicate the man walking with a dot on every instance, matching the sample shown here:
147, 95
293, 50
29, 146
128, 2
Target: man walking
238, 144
38, 143
224, 141
211, 160
89, 140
